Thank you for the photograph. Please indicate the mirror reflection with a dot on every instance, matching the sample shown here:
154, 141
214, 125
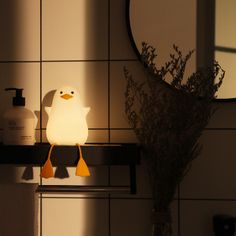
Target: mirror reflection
225, 45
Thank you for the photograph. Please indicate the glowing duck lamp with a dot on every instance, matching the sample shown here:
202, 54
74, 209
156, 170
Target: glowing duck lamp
66, 126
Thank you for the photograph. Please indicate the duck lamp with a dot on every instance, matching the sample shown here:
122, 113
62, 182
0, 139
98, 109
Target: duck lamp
66, 125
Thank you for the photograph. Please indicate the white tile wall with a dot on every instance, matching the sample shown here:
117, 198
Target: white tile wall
120, 176
98, 136
132, 217
75, 217
78, 30
82, 46
196, 216
18, 210
224, 116
123, 136
212, 174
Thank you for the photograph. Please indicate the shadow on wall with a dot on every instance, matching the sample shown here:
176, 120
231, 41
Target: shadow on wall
10, 32
18, 202
97, 212
18, 214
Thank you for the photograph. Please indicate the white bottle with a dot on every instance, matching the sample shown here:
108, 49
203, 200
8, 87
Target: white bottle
19, 122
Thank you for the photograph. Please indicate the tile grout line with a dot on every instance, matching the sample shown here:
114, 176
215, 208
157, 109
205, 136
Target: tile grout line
129, 129
109, 107
41, 73
41, 131
68, 61
88, 196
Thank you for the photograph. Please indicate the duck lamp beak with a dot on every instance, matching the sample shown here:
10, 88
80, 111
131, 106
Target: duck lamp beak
66, 96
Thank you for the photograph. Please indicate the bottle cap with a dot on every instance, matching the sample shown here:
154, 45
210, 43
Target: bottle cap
18, 100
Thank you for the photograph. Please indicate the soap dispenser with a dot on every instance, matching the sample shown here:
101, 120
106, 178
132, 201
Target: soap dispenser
18, 122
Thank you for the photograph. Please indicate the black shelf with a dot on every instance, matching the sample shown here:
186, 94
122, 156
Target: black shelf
93, 154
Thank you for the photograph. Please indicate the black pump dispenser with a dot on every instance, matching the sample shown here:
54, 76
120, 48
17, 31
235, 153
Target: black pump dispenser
18, 100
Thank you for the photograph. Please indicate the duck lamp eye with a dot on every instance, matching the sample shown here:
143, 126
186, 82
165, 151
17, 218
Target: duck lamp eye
61, 92
72, 92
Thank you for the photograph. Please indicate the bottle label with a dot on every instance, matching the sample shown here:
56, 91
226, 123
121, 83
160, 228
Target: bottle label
19, 132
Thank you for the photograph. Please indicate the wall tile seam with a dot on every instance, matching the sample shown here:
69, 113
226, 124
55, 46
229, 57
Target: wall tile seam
93, 128
130, 129
68, 61
105, 198
209, 199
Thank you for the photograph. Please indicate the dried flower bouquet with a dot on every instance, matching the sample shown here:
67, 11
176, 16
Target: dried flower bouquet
168, 119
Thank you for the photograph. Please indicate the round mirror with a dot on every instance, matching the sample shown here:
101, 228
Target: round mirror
189, 25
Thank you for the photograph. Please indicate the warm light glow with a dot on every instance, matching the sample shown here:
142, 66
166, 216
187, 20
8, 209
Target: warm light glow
67, 123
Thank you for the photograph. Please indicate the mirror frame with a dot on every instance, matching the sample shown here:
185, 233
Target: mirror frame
127, 13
